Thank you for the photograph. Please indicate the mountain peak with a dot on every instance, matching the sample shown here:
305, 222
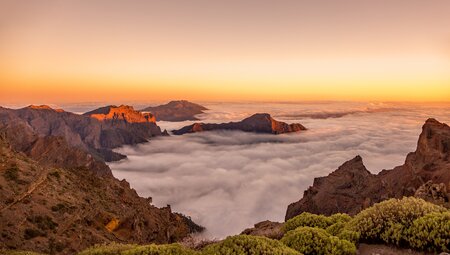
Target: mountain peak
123, 112
179, 110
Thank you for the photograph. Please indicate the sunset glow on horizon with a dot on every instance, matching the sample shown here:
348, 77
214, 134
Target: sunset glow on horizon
69, 51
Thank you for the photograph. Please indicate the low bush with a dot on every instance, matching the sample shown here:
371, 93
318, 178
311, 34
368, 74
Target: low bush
12, 173
349, 235
336, 228
306, 219
248, 245
389, 220
107, 249
340, 217
309, 240
431, 232
163, 249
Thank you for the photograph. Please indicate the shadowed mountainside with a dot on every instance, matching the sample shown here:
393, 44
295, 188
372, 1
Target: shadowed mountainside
258, 123
110, 127
176, 111
59, 200
351, 188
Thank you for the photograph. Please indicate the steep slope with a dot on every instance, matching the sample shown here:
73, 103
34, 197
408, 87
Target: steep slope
352, 187
84, 132
61, 210
259, 123
176, 111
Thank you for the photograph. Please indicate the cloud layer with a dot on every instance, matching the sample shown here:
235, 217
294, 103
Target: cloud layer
229, 180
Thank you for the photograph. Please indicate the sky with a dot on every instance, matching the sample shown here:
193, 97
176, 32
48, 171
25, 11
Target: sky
257, 50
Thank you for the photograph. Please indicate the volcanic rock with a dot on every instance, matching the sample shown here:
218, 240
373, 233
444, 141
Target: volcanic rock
351, 187
119, 126
120, 113
258, 123
267, 229
61, 205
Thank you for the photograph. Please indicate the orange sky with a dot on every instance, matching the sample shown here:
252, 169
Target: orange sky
111, 50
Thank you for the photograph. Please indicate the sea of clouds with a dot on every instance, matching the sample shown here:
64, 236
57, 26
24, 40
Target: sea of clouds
229, 180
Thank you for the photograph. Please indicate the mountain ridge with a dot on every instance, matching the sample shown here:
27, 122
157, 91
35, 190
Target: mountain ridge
258, 123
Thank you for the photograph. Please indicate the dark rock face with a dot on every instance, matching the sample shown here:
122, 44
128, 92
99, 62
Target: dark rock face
267, 229
176, 111
258, 123
351, 187
118, 126
59, 200
433, 192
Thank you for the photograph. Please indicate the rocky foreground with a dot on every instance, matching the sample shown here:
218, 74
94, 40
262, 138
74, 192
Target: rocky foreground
57, 195
257, 123
351, 188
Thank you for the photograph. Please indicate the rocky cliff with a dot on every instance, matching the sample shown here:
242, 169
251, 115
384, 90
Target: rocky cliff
258, 123
58, 199
351, 188
176, 111
117, 126
120, 113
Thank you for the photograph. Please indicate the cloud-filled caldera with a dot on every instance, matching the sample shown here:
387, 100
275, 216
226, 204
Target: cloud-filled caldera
229, 180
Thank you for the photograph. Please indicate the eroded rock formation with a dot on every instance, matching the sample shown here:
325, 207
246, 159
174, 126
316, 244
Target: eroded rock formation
352, 187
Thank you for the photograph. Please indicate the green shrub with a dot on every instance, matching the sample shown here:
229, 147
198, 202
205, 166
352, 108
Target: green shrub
308, 240
131, 249
306, 219
340, 217
389, 220
163, 249
107, 249
248, 245
336, 228
431, 232
338, 246
349, 235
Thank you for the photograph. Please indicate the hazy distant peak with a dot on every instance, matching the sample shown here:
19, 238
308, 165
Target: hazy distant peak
43, 107
179, 110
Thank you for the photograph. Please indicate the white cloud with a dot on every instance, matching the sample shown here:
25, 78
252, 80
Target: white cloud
229, 180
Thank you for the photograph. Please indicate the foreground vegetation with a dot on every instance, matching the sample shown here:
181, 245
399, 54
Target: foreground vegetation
408, 222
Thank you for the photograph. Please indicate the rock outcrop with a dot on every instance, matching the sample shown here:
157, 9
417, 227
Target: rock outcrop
118, 126
120, 113
258, 123
176, 111
267, 229
352, 187
58, 199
